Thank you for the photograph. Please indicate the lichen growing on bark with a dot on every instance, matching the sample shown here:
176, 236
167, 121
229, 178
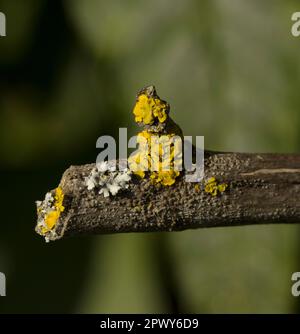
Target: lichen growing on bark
159, 155
107, 180
213, 187
49, 211
157, 161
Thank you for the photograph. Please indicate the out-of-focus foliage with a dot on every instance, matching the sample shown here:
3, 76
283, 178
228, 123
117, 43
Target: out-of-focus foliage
69, 73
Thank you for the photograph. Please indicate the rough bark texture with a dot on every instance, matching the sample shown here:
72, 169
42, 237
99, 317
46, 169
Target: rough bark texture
262, 188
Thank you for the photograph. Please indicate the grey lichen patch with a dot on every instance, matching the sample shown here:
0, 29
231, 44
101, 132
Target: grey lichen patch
107, 180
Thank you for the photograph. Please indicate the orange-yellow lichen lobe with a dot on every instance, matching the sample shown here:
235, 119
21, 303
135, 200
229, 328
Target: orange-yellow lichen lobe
49, 211
212, 187
159, 155
147, 110
197, 188
156, 155
59, 198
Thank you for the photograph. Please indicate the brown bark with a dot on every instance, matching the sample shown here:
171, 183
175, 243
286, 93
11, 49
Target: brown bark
262, 188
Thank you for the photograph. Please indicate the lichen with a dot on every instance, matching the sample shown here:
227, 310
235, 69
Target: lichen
147, 110
213, 187
49, 211
197, 188
106, 180
156, 158
158, 163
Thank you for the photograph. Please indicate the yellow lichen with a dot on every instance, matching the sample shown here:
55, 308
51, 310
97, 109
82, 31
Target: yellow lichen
222, 187
156, 154
50, 220
148, 109
166, 178
159, 155
159, 109
212, 187
59, 197
51, 214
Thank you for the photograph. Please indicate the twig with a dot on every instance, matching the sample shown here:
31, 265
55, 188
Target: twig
262, 188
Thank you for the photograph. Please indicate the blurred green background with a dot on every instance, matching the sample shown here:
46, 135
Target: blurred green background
69, 72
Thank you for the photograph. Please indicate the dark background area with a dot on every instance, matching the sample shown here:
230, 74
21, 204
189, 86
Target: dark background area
69, 72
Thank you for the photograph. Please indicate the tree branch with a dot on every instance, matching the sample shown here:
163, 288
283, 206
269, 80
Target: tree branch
262, 188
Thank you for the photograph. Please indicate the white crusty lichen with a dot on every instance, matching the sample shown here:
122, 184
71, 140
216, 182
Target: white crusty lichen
107, 180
